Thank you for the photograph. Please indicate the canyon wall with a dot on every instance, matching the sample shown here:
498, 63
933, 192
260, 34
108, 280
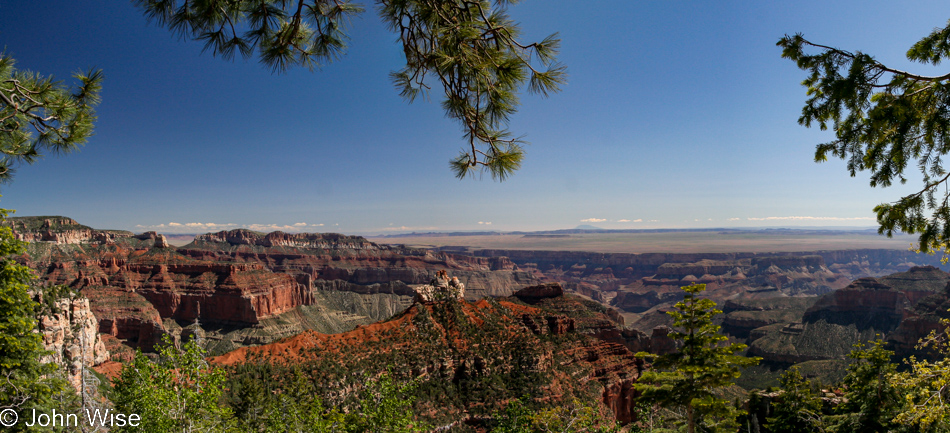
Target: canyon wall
233, 280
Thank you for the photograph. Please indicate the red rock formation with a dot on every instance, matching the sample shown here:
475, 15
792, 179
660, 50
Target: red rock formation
241, 277
456, 354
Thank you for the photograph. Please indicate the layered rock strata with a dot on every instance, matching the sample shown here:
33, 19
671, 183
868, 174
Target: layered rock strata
240, 279
900, 308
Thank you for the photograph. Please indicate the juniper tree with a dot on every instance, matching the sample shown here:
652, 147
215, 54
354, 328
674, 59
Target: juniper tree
704, 363
885, 120
39, 115
469, 49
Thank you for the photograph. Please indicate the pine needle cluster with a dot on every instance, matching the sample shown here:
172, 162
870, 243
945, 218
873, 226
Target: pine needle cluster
468, 48
39, 115
885, 121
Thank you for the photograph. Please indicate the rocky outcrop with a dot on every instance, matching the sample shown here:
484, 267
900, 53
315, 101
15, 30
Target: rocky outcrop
314, 241
535, 293
638, 302
71, 334
742, 316
866, 303
658, 342
442, 288
159, 240
314, 257
485, 353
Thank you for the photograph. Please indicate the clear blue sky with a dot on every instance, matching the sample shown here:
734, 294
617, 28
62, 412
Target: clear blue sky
676, 114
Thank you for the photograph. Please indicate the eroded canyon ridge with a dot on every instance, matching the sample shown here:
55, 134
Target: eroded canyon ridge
241, 288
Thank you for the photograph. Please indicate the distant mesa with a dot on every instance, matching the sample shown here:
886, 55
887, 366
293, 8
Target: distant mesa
587, 227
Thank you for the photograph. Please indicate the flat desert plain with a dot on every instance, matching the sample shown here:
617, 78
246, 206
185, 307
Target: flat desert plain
726, 241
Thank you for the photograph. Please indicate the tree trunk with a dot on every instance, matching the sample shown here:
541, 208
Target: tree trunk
690, 422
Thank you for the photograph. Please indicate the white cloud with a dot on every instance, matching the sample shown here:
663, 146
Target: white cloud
653, 221
487, 223
174, 225
734, 219
811, 218
638, 220
623, 221
300, 224
593, 220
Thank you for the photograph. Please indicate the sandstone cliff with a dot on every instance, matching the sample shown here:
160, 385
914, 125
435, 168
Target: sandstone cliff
364, 266
70, 333
250, 288
60, 230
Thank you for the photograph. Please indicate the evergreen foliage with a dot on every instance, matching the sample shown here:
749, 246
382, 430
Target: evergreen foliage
468, 48
872, 400
39, 115
25, 382
263, 402
884, 120
689, 377
798, 409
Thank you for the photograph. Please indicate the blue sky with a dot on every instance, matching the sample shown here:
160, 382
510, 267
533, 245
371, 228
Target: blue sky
676, 114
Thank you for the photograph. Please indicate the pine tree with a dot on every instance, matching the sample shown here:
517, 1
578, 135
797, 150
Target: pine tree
798, 409
468, 48
40, 116
885, 120
25, 382
872, 400
704, 363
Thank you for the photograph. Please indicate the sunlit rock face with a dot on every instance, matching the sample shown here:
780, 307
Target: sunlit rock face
441, 288
71, 336
279, 284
